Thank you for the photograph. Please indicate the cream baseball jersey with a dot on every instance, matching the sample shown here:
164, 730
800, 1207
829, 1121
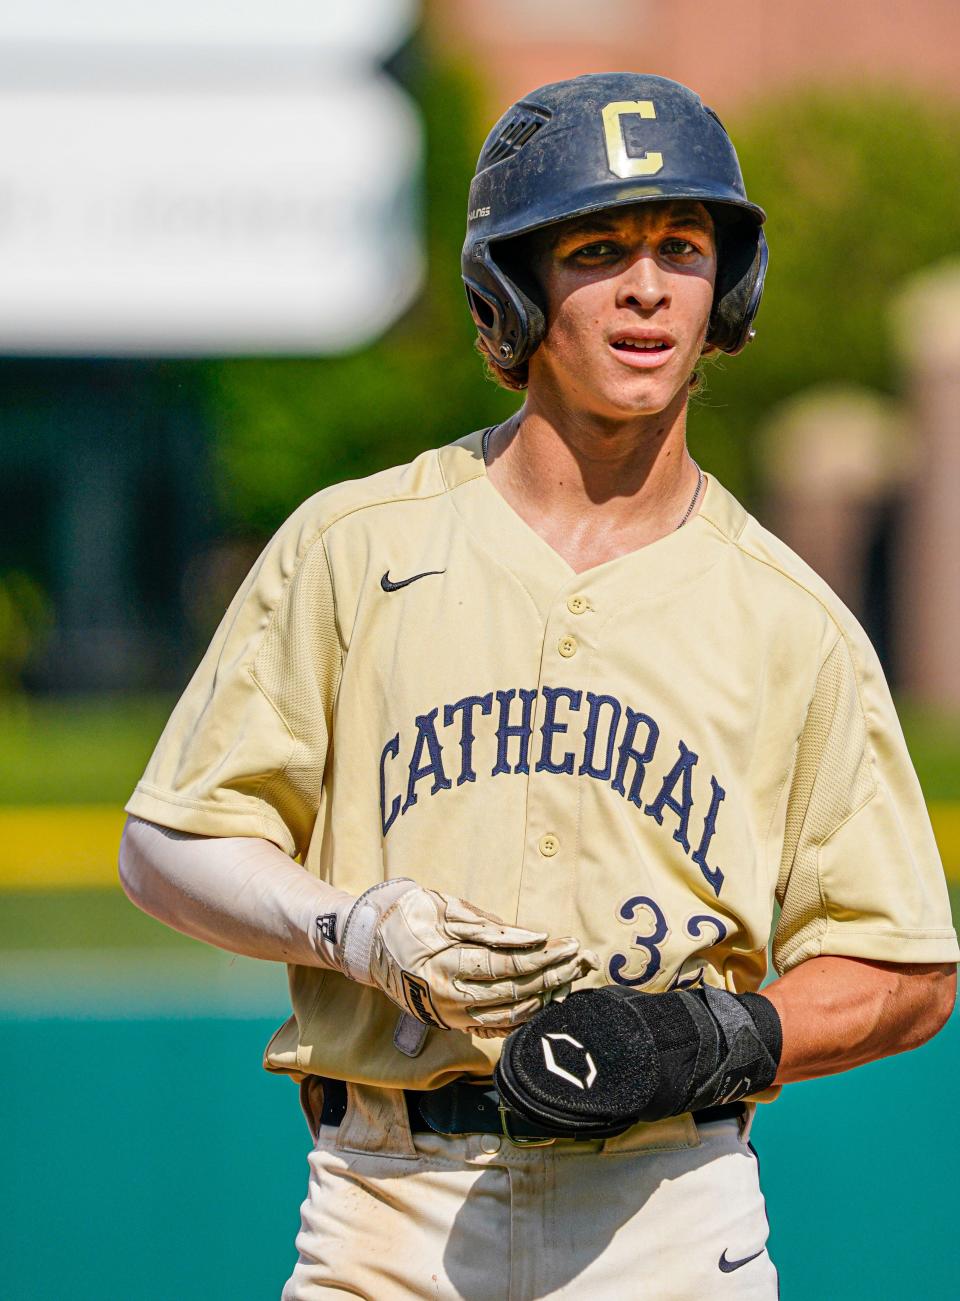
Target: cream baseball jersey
652, 755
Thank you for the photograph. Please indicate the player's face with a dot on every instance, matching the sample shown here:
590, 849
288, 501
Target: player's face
628, 294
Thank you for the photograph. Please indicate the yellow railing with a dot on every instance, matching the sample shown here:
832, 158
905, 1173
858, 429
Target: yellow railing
70, 847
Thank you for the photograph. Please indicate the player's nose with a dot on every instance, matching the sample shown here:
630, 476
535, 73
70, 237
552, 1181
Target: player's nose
643, 284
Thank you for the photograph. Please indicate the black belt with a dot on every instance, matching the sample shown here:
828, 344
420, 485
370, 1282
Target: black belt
460, 1108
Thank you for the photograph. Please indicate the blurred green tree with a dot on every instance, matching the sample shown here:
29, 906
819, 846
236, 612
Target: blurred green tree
860, 191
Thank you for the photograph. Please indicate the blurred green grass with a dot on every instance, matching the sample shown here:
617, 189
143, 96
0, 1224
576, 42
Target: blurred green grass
934, 742
81, 919
84, 750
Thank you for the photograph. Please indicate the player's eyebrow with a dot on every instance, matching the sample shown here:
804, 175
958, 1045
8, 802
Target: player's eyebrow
687, 217
595, 224
679, 216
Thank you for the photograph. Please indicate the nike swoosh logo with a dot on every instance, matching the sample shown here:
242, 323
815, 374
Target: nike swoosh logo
389, 586
728, 1266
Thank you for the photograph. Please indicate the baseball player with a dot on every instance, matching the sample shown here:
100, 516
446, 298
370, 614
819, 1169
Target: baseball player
514, 754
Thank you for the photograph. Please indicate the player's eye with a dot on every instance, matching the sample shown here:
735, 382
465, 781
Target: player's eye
598, 248
676, 247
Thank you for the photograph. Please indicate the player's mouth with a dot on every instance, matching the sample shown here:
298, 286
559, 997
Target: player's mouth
643, 349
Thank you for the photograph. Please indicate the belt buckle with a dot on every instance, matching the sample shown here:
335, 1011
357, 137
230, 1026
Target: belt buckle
515, 1139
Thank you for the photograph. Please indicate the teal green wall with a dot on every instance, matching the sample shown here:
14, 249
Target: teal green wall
135, 1170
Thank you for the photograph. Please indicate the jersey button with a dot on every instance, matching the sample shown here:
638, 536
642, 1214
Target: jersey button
567, 646
490, 1143
577, 604
548, 845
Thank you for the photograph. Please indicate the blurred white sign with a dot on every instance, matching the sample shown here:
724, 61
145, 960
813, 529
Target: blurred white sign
333, 26
189, 219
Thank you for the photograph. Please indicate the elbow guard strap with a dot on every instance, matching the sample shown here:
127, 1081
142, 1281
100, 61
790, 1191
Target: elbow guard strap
603, 1059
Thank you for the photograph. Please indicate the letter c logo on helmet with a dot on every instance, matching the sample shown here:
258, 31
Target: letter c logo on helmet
603, 141
620, 162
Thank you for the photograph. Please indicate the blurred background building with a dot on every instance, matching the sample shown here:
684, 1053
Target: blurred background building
734, 54
229, 260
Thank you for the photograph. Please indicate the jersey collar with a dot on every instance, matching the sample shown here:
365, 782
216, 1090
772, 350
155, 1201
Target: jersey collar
667, 565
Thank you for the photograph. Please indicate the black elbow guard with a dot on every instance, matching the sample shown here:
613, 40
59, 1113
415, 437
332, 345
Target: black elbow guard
603, 1059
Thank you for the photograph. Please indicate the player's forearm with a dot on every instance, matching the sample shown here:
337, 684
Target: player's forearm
242, 894
838, 1013
441, 960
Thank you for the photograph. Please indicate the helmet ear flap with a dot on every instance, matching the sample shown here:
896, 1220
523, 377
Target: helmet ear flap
508, 318
741, 268
524, 330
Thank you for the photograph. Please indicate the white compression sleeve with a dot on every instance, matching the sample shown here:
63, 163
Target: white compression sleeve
240, 893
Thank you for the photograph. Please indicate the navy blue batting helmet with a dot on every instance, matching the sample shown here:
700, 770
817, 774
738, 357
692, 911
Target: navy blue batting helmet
601, 141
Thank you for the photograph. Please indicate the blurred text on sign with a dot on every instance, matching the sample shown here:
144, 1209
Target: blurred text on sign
202, 198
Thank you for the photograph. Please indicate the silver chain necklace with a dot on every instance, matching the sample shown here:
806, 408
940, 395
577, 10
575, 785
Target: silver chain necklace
693, 500
686, 514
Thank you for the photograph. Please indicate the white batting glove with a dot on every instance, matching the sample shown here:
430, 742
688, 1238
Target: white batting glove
449, 964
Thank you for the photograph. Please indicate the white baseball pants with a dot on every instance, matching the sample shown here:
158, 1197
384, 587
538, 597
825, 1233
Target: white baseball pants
670, 1212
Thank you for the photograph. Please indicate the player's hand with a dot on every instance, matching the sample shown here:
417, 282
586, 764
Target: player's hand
450, 964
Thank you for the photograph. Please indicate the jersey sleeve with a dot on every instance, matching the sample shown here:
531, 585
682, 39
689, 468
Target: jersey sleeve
860, 874
244, 750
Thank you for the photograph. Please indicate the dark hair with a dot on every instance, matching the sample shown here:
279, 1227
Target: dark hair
514, 380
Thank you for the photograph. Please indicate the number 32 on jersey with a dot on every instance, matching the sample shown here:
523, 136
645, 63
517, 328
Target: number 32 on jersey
651, 932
